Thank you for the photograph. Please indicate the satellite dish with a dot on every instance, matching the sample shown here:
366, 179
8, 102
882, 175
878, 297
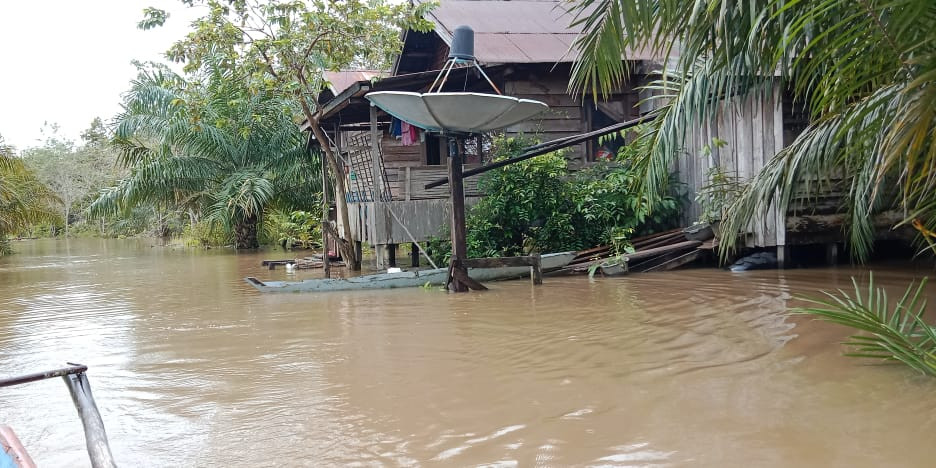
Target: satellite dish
456, 112
436, 111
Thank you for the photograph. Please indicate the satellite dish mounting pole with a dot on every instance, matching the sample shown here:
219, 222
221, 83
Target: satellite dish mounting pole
457, 269
455, 114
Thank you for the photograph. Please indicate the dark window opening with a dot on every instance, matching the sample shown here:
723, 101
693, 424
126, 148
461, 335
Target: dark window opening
603, 148
433, 150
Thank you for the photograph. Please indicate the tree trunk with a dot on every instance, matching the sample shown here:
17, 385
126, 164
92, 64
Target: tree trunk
345, 245
67, 212
245, 234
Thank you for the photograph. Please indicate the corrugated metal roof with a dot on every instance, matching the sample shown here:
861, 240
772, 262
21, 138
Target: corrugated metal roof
515, 31
342, 80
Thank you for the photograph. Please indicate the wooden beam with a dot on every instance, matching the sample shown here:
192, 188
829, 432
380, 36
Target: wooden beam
459, 241
834, 222
375, 156
677, 262
498, 262
649, 253
550, 146
461, 277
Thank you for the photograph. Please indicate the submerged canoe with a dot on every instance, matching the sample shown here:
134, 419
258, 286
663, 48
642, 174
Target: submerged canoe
407, 279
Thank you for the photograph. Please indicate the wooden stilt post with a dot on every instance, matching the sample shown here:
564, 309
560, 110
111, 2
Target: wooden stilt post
379, 254
536, 269
832, 253
391, 255
783, 256
457, 198
414, 254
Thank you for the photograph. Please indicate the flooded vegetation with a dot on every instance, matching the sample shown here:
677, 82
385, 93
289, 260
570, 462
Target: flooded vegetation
192, 367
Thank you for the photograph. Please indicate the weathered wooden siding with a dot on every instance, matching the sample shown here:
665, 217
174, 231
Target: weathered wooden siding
408, 183
753, 130
565, 116
396, 155
375, 224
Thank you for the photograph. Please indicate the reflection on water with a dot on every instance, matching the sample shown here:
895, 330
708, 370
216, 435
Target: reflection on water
192, 367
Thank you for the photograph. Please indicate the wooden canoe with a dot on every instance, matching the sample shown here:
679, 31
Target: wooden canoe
406, 279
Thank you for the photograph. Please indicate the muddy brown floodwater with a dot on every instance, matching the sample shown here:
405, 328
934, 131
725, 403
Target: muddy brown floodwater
192, 367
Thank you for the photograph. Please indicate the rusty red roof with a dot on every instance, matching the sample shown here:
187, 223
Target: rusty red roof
515, 31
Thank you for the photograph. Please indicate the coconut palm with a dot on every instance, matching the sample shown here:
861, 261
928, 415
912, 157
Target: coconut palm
213, 145
866, 70
24, 200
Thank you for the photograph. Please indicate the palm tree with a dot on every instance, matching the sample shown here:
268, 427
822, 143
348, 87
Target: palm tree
213, 145
24, 200
865, 68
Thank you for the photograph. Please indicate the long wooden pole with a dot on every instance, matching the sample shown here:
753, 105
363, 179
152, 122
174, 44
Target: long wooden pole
550, 146
95, 436
72, 369
459, 242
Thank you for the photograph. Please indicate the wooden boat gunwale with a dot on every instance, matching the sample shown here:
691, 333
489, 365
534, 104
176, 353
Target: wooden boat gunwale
405, 279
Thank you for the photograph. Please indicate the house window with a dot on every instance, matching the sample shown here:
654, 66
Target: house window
603, 115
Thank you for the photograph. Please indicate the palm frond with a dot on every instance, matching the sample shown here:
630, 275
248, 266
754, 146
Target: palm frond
894, 333
864, 70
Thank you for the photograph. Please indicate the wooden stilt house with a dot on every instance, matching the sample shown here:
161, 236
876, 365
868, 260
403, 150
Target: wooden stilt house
524, 46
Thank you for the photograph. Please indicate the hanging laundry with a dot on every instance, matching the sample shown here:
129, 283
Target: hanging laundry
414, 134
410, 134
396, 130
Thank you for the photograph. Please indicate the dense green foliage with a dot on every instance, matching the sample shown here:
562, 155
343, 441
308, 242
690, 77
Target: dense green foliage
212, 147
75, 173
24, 199
896, 333
286, 47
539, 205
294, 228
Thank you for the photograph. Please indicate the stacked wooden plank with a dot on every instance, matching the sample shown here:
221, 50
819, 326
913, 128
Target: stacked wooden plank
657, 252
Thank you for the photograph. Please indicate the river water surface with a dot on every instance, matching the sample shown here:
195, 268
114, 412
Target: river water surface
192, 367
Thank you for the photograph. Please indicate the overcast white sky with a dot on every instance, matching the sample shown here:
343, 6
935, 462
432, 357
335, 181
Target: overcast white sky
68, 61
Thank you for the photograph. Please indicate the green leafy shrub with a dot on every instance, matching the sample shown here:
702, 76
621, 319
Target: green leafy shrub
206, 234
288, 229
538, 205
527, 207
440, 248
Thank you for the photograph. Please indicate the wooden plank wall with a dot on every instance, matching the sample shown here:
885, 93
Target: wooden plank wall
396, 155
373, 223
408, 183
565, 116
754, 132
